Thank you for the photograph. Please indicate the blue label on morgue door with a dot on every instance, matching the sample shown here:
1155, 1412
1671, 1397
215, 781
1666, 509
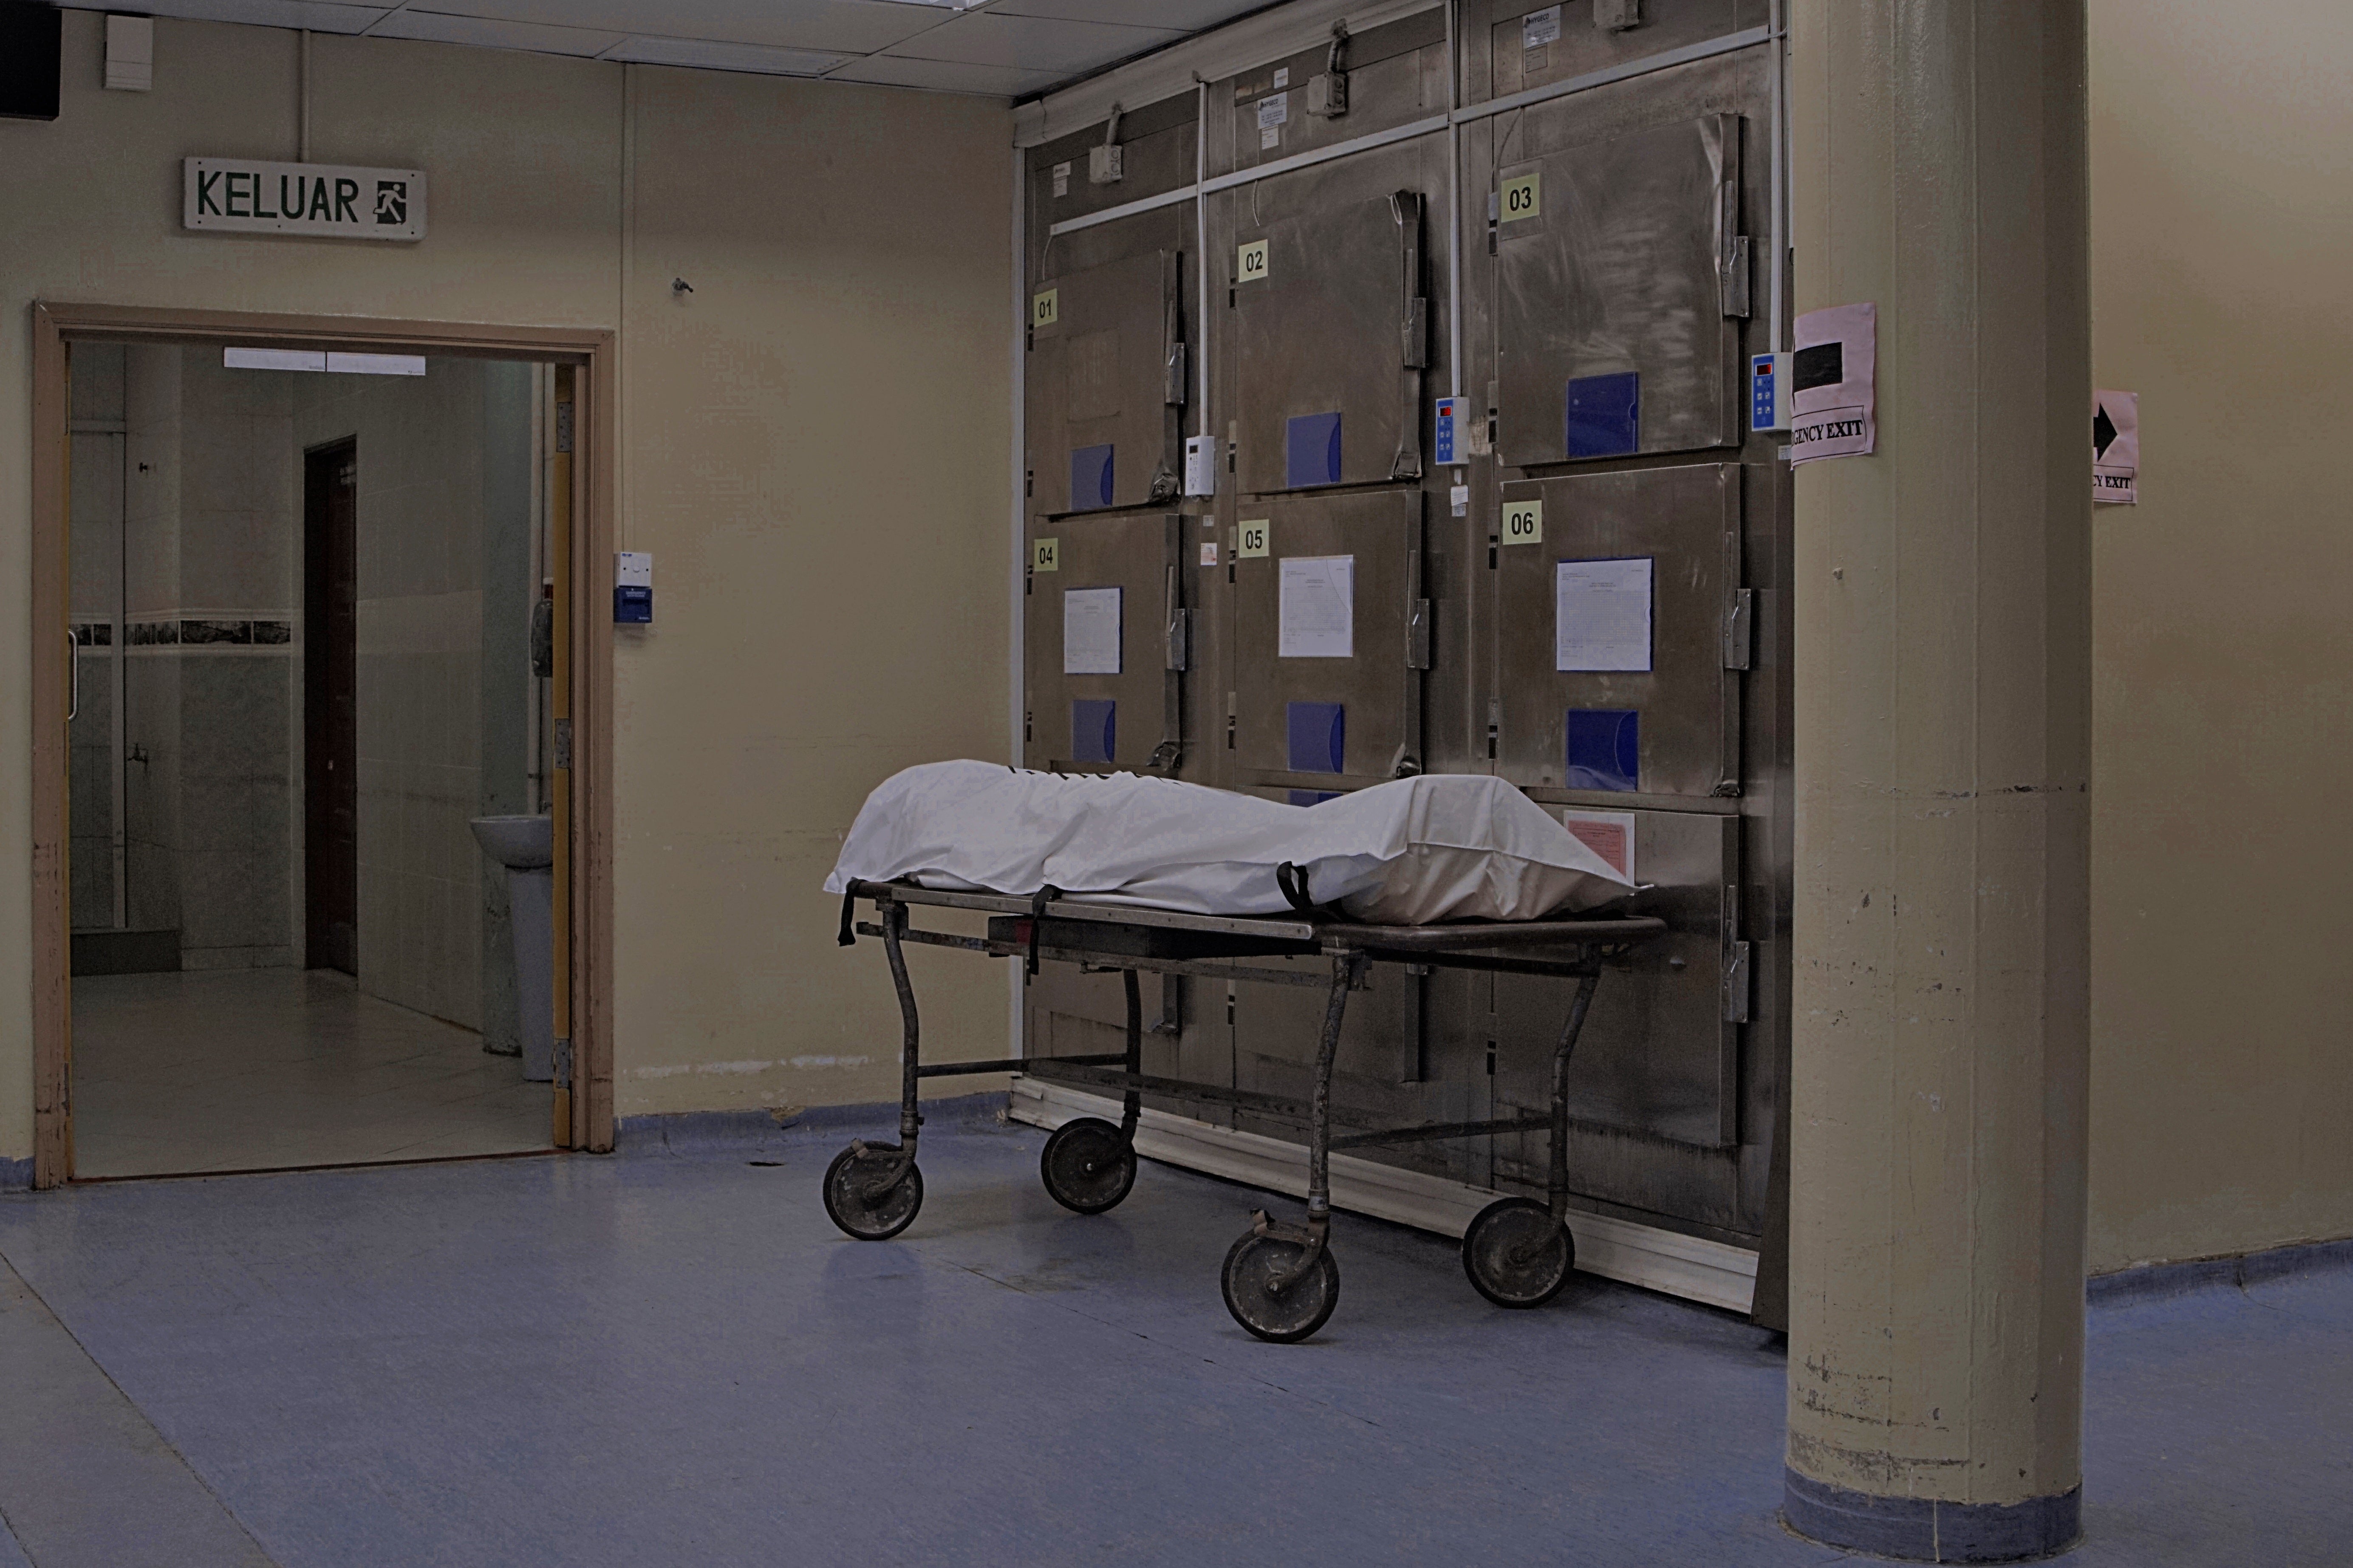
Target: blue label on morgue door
1318, 737
1094, 729
1090, 478
1605, 415
1312, 451
1604, 749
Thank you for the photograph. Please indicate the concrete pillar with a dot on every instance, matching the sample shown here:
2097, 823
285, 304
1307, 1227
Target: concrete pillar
1942, 596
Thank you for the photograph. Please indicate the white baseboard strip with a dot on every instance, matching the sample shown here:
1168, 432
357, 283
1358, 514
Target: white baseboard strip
1663, 1260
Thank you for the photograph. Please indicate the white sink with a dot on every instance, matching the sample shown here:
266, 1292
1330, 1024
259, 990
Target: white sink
519, 843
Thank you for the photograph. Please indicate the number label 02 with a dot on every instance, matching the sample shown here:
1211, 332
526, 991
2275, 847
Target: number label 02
1250, 263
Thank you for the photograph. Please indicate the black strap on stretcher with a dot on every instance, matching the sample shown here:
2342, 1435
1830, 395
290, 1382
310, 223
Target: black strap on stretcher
1037, 902
848, 935
1292, 881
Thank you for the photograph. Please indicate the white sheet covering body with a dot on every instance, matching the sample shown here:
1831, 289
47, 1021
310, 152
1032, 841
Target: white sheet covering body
1441, 846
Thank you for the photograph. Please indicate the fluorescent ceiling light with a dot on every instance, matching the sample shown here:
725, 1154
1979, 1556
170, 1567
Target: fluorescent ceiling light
376, 365
320, 360
274, 359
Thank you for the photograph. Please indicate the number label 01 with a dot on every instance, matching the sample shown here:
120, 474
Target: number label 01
1045, 307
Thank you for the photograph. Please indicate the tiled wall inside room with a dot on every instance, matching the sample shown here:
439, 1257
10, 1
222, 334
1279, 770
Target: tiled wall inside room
445, 532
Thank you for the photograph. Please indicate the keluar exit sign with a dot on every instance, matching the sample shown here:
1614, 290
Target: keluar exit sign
332, 200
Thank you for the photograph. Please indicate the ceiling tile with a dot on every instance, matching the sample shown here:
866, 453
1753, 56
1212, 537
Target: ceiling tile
318, 15
700, 54
443, 28
1192, 15
1031, 43
947, 75
848, 27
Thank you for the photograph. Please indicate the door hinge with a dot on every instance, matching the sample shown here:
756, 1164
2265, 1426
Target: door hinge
1417, 637
1416, 347
1180, 640
1736, 959
1494, 725
563, 1061
563, 742
1736, 983
1736, 271
1740, 629
564, 426
1174, 395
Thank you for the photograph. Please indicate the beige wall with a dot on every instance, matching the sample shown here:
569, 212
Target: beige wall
814, 446
2221, 219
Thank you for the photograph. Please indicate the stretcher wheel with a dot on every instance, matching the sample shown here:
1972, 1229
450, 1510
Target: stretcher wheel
850, 1204
1516, 1254
1294, 1313
1087, 1167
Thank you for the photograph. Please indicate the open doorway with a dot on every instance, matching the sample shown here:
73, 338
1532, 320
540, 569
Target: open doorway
318, 712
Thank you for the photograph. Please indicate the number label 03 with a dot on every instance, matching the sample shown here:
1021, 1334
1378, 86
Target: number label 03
1523, 197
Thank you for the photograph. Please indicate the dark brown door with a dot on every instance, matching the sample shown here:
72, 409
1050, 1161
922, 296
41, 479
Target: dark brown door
330, 817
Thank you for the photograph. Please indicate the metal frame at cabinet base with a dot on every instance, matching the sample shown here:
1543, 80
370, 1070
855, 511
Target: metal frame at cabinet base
1690, 1266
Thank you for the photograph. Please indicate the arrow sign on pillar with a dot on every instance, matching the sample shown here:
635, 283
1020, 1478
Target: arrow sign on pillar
2103, 430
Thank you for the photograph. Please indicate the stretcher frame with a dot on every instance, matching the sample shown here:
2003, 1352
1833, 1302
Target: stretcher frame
1530, 1260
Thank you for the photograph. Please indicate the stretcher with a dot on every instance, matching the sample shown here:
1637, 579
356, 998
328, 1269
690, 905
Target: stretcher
1279, 1279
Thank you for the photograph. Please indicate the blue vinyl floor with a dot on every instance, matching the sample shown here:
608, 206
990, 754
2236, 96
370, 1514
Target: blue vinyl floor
671, 1357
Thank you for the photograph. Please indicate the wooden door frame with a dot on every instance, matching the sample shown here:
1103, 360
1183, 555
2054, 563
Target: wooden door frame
55, 324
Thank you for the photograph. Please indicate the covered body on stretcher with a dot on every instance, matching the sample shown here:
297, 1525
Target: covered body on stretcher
1144, 875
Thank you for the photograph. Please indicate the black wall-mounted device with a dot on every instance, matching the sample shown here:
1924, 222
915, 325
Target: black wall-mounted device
31, 48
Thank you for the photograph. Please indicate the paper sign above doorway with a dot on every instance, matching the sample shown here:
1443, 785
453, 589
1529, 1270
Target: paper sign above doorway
334, 201
2115, 447
1832, 396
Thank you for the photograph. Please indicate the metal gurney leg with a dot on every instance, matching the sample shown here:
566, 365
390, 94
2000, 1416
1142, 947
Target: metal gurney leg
1281, 1281
1088, 1164
872, 1191
1519, 1252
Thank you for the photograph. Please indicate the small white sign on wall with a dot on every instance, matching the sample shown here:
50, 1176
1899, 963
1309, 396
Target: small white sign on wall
2115, 447
335, 201
1834, 399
